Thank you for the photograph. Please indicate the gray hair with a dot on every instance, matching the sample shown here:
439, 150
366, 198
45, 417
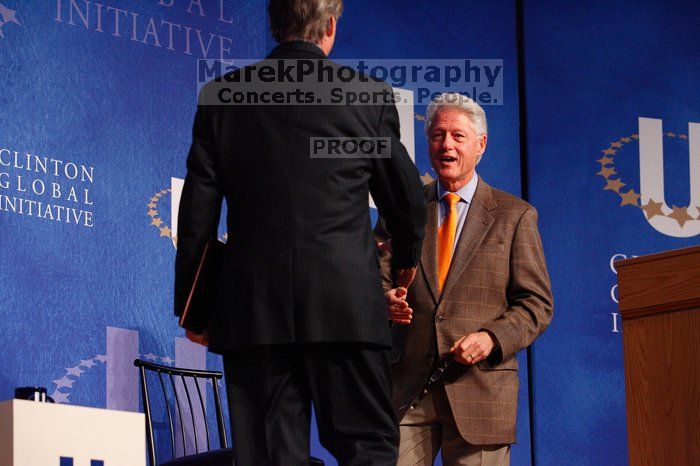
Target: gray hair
476, 114
302, 19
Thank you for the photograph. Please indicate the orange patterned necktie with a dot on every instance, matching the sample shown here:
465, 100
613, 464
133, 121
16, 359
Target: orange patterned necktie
446, 238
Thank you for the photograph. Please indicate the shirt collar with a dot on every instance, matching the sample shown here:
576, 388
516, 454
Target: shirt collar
296, 45
466, 193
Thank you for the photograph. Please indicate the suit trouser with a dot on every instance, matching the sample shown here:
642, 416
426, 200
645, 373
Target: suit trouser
431, 426
270, 391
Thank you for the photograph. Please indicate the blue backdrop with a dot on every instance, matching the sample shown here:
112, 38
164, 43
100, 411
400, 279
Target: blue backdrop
107, 90
102, 96
592, 70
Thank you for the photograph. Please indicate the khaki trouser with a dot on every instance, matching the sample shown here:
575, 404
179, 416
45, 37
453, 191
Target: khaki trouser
431, 426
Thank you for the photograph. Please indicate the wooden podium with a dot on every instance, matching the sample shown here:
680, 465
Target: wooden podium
660, 309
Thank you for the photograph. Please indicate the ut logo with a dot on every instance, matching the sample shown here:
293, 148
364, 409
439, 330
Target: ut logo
67, 461
123, 378
123, 384
682, 221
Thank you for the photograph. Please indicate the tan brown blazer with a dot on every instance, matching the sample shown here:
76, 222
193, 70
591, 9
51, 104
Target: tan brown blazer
497, 282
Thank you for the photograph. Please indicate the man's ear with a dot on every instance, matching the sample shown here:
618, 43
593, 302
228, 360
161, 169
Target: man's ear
331, 26
482, 143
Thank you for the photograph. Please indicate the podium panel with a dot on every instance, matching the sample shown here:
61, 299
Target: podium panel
46, 434
660, 308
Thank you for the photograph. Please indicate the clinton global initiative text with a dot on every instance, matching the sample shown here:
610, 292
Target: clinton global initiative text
57, 213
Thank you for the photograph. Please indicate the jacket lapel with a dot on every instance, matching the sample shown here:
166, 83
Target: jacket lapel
428, 259
476, 225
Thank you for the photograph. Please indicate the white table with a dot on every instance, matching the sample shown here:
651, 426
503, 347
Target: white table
40, 434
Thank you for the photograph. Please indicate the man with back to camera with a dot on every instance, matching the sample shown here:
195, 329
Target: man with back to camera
481, 294
301, 315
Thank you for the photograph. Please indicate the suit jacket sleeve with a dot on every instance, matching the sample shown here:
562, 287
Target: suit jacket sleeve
529, 294
381, 235
398, 192
200, 206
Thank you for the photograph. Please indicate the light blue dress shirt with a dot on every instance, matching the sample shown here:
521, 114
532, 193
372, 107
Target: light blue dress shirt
466, 195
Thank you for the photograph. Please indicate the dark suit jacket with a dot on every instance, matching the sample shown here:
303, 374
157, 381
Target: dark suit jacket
300, 264
497, 282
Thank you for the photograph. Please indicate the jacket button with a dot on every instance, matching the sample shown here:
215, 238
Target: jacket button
439, 319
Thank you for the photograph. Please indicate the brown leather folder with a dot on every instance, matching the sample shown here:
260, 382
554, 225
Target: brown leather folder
202, 297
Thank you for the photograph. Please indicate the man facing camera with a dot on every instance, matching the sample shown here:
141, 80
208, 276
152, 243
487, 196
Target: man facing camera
481, 294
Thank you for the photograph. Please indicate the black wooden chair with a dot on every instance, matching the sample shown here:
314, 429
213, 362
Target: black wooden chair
189, 411
172, 394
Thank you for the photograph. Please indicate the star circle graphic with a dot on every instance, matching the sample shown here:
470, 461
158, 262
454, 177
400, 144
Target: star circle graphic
7, 16
164, 230
614, 182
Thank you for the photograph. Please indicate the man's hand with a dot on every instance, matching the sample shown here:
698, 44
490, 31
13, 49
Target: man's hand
201, 338
397, 307
473, 348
